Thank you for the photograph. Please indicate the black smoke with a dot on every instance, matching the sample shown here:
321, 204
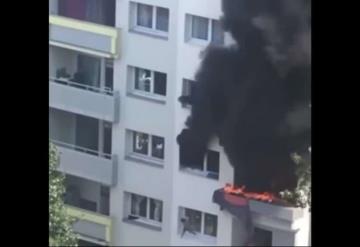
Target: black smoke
255, 95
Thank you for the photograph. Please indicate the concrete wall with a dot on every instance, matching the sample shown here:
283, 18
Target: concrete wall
147, 116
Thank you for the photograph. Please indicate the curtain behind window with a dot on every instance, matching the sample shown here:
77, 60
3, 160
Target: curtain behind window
217, 36
144, 15
199, 27
162, 19
95, 11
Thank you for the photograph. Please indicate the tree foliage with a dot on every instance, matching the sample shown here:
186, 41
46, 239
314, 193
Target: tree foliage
301, 195
60, 224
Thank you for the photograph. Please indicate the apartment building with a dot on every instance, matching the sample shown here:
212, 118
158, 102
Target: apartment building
116, 71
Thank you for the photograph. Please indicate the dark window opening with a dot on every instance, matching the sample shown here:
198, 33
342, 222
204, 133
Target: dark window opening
262, 237
213, 160
160, 83
188, 88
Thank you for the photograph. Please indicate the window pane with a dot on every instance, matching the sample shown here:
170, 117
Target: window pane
109, 74
140, 143
217, 36
210, 225
162, 19
160, 83
199, 27
158, 147
143, 79
138, 205
213, 158
193, 219
156, 210
144, 15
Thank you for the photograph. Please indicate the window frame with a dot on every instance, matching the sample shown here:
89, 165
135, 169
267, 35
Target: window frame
195, 40
153, 29
151, 93
202, 223
149, 155
146, 219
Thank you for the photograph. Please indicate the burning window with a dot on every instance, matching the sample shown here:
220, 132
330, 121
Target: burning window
148, 145
207, 165
203, 29
197, 223
145, 209
151, 82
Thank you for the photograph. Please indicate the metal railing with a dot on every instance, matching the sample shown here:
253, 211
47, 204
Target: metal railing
105, 90
82, 214
81, 149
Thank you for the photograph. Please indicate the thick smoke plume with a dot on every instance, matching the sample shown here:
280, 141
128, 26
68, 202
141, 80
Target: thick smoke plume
256, 95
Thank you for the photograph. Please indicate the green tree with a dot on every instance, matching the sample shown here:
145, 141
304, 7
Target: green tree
60, 224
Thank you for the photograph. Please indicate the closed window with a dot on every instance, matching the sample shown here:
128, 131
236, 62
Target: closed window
148, 18
204, 29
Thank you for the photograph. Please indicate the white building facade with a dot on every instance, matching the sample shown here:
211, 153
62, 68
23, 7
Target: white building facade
117, 69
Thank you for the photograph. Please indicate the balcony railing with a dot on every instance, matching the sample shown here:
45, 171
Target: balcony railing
83, 36
87, 163
81, 149
91, 225
95, 102
63, 81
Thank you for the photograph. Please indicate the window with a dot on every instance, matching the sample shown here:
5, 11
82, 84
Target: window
109, 74
150, 82
148, 145
147, 18
197, 223
145, 209
202, 29
187, 93
207, 166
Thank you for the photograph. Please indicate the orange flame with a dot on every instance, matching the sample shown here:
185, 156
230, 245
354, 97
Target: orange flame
231, 189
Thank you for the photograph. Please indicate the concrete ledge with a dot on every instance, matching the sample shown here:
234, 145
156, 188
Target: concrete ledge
143, 161
278, 212
142, 224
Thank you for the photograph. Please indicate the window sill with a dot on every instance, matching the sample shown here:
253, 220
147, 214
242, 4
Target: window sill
149, 32
142, 224
199, 173
198, 42
144, 160
202, 42
199, 238
159, 100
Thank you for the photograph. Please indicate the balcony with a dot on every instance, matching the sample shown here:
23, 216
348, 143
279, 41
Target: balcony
88, 164
84, 36
91, 226
84, 100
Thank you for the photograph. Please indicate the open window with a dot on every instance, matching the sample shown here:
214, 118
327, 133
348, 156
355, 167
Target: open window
142, 209
198, 226
145, 148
